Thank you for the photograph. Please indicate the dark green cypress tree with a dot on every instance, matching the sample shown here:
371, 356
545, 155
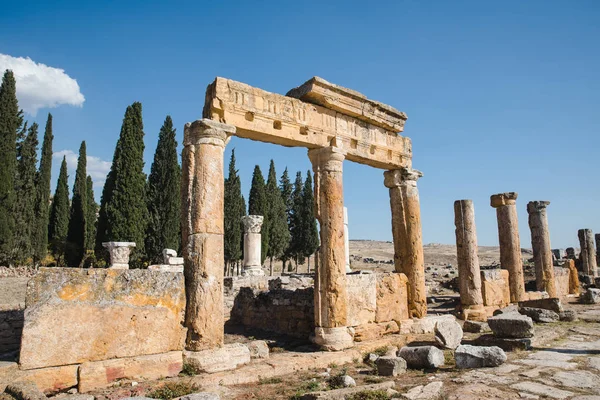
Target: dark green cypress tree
285, 185
123, 208
25, 191
59, 214
279, 234
309, 222
164, 205
11, 120
296, 228
233, 210
257, 205
92, 210
42, 206
77, 233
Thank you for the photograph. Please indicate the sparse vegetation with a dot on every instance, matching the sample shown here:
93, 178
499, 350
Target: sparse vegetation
269, 381
369, 395
171, 390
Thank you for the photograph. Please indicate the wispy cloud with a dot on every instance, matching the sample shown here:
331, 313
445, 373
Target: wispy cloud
41, 86
96, 167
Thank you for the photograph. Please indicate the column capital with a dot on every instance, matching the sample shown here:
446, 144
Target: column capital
396, 177
537, 206
327, 158
503, 199
207, 131
252, 223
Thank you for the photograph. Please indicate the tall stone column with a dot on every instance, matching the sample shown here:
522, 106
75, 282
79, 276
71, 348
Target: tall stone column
202, 196
346, 241
252, 245
597, 236
331, 331
406, 231
540, 243
588, 252
469, 274
510, 244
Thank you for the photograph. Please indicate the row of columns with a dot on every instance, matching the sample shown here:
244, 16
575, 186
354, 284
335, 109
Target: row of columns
202, 231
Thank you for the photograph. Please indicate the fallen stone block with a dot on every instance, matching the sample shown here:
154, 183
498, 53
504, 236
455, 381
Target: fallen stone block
101, 374
374, 331
50, 380
225, 358
568, 316
551, 303
390, 366
424, 325
25, 391
422, 357
591, 296
511, 308
431, 391
540, 314
476, 327
468, 356
511, 325
448, 334
258, 349
341, 394
347, 381
506, 344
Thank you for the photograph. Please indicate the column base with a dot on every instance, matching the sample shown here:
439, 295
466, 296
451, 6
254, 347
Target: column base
253, 271
473, 313
334, 339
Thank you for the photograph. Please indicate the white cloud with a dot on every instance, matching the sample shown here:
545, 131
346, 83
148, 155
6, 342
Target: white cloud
41, 86
96, 167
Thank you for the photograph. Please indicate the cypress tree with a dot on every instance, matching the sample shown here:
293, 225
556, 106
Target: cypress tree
10, 123
43, 194
77, 233
296, 226
59, 213
233, 211
164, 205
25, 191
257, 205
123, 210
279, 234
285, 185
309, 222
92, 210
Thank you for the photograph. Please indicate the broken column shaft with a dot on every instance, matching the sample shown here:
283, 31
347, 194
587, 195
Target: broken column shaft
510, 244
588, 252
540, 243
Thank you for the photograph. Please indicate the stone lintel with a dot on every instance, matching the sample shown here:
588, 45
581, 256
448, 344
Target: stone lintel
273, 118
503, 199
537, 206
350, 102
396, 177
207, 131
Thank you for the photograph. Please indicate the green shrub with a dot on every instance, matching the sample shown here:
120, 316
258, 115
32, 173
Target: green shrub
369, 395
171, 390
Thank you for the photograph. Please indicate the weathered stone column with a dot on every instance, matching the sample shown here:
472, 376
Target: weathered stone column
331, 331
469, 274
510, 244
540, 243
406, 231
202, 195
346, 240
588, 252
252, 245
597, 236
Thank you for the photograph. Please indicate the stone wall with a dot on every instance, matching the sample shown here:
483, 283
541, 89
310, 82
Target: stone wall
495, 289
11, 327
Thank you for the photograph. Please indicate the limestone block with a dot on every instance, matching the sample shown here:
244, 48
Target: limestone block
76, 315
361, 290
375, 331
448, 334
48, 380
341, 394
422, 357
390, 366
534, 296
476, 327
591, 296
495, 288
552, 304
561, 279
392, 297
573, 277
431, 391
506, 344
101, 374
258, 349
228, 357
511, 325
24, 391
427, 324
166, 268
568, 315
175, 261
540, 314
468, 356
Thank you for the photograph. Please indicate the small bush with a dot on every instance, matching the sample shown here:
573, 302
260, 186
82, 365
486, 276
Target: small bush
373, 379
171, 390
380, 351
369, 395
269, 381
188, 370
337, 381
305, 387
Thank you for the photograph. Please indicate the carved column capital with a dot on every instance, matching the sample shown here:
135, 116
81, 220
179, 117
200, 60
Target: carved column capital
537, 206
206, 131
329, 159
503, 199
252, 223
396, 177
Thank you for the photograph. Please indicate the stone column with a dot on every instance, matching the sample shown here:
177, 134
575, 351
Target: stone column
202, 195
406, 231
510, 244
119, 254
540, 243
469, 274
588, 252
597, 236
252, 245
331, 331
346, 240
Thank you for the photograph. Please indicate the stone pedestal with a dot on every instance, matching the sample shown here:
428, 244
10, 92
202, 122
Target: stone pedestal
510, 244
588, 252
119, 254
331, 330
540, 243
346, 240
252, 245
406, 231
202, 197
469, 274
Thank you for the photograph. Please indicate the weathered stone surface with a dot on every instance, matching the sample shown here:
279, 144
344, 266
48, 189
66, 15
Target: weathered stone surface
577, 379
252, 245
511, 325
568, 315
101, 374
50, 380
258, 349
200, 396
468, 356
574, 287
119, 254
540, 314
25, 391
480, 391
392, 297
591, 296
552, 304
476, 327
341, 394
347, 381
424, 325
422, 357
495, 288
390, 366
75, 315
542, 390
562, 280
374, 331
510, 309
540, 243
588, 252
361, 290
506, 344
334, 339
448, 334
431, 391
228, 357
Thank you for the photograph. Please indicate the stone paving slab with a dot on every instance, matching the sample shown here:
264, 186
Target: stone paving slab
542, 390
578, 379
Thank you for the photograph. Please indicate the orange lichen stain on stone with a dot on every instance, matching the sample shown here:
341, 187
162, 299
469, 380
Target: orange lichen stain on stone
77, 292
141, 300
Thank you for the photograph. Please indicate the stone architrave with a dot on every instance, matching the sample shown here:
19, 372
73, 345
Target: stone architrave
119, 253
252, 245
588, 253
346, 240
510, 244
406, 232
202, 231
330, 294
540, 243
469, 274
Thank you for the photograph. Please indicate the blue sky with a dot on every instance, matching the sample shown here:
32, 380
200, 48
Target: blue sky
500, 96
